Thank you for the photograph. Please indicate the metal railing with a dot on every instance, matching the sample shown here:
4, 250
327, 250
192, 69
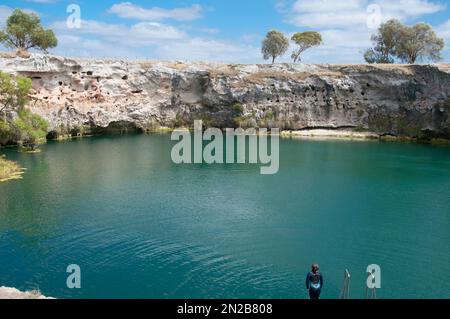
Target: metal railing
371, 293
345, 292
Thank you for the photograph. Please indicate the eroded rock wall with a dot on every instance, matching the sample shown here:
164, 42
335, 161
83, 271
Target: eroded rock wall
76, 95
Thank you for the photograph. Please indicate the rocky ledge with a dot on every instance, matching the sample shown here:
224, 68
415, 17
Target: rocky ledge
77, 96
13, 293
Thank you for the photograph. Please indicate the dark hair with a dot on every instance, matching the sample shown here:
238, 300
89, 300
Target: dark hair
315, 268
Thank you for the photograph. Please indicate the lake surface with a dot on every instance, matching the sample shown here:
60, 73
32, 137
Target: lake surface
140, 226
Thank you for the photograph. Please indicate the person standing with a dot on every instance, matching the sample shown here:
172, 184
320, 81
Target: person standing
314, 282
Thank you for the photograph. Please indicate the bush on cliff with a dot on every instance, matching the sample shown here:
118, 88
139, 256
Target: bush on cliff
5, 132
29, 128
18, 124
13, 93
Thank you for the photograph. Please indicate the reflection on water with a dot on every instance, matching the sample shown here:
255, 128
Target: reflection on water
140, 226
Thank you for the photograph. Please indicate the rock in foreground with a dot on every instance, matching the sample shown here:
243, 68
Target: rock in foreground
13, 293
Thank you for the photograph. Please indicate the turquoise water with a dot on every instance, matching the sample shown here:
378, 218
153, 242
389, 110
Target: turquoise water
142, 227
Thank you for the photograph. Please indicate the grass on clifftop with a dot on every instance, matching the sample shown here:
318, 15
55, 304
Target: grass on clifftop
9, 170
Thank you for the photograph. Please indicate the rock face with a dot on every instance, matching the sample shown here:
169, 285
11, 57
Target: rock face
13, 293
77, 95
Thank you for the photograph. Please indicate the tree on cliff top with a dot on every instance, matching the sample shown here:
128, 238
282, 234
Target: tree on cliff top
305, 41
408, 44
385, 42
24, 31
274, 45
419, 42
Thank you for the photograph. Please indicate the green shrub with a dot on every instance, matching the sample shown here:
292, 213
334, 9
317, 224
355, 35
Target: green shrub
151, 125
408, 128
238, 108
208, 121
29, 128
5, 132
9, 170
178, 122
25, 127
245, 122
13, 92
380, 123
268, 119
239, 121
80, 130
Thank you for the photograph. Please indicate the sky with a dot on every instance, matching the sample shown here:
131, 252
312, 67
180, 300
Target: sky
223, 30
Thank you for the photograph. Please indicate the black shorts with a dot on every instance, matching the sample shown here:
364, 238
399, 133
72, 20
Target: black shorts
314, 293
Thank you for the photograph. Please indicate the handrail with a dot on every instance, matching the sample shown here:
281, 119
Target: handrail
373, 291
345, 292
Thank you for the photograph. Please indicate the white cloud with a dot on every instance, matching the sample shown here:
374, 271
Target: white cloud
150, 38
410, 8
329, 19
344, 24
143, 33
443, 30
321, 6
199, 49
251, 37
146, 40
78, 46
209, 30
331, 13
132, 11
42, 1
342, 38
5, 12
154, 30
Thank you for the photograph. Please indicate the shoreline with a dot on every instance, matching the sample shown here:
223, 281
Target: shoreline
325, 134
307, 134
330, 134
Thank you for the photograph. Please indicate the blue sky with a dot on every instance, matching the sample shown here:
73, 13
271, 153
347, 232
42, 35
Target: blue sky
225, 30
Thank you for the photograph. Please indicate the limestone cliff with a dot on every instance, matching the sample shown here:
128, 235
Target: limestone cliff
77, 95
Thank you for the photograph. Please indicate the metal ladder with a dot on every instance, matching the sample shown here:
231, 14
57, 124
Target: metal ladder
371, 293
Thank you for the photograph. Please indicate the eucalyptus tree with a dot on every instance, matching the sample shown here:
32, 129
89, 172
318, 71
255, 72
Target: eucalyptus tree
305, 41
24, 31
274, 45
409, 44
